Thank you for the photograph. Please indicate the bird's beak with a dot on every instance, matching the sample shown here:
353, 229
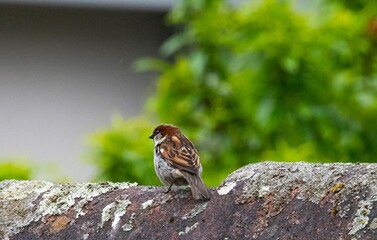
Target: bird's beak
151, 136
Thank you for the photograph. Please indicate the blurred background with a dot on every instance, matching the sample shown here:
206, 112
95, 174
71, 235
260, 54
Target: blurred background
83, 84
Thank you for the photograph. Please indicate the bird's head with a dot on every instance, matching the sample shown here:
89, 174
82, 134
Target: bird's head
164, 130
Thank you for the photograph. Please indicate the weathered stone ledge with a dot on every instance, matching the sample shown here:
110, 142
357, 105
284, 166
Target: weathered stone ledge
260, 201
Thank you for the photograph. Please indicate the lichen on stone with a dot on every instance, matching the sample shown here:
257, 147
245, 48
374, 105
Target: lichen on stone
278, 183
63, 196
19, 207
199, 208
188, 229
106, 214
147, 204
128, 226
226, 188
361, 218
373, 224
116, 210
17, 204
120, 211
265, 200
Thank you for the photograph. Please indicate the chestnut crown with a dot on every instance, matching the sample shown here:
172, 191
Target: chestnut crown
164, 129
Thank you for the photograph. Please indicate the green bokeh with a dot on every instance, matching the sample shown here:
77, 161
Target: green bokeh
124, 152
14, 169
265, 80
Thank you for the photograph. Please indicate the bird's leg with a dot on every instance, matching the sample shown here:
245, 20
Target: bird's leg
171, 184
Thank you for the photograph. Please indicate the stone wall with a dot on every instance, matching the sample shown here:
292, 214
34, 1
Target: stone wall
260, 201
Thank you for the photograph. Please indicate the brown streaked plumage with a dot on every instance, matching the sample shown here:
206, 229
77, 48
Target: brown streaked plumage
177, 161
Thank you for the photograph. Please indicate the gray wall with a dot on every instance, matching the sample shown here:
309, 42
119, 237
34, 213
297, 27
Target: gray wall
63, 73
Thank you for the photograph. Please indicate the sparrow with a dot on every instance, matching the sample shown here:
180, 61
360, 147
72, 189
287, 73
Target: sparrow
176, 161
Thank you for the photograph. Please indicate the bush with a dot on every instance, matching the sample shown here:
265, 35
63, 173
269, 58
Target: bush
14, 169
267, 80
124, 152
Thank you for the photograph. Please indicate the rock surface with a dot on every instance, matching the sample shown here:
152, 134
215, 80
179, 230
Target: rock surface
260, 201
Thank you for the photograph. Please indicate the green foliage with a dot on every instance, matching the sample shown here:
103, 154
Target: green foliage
124, 152
267, 80
14, 169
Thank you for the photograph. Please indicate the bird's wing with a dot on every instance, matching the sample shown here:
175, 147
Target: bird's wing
180, 153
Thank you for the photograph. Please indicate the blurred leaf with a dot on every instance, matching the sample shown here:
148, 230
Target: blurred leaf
150, 64
15, 169
124, 152
175, 43
277, 80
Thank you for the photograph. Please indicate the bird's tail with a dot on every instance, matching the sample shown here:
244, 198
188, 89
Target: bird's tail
198, 188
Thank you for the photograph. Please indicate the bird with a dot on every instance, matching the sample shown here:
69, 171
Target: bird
176, 161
